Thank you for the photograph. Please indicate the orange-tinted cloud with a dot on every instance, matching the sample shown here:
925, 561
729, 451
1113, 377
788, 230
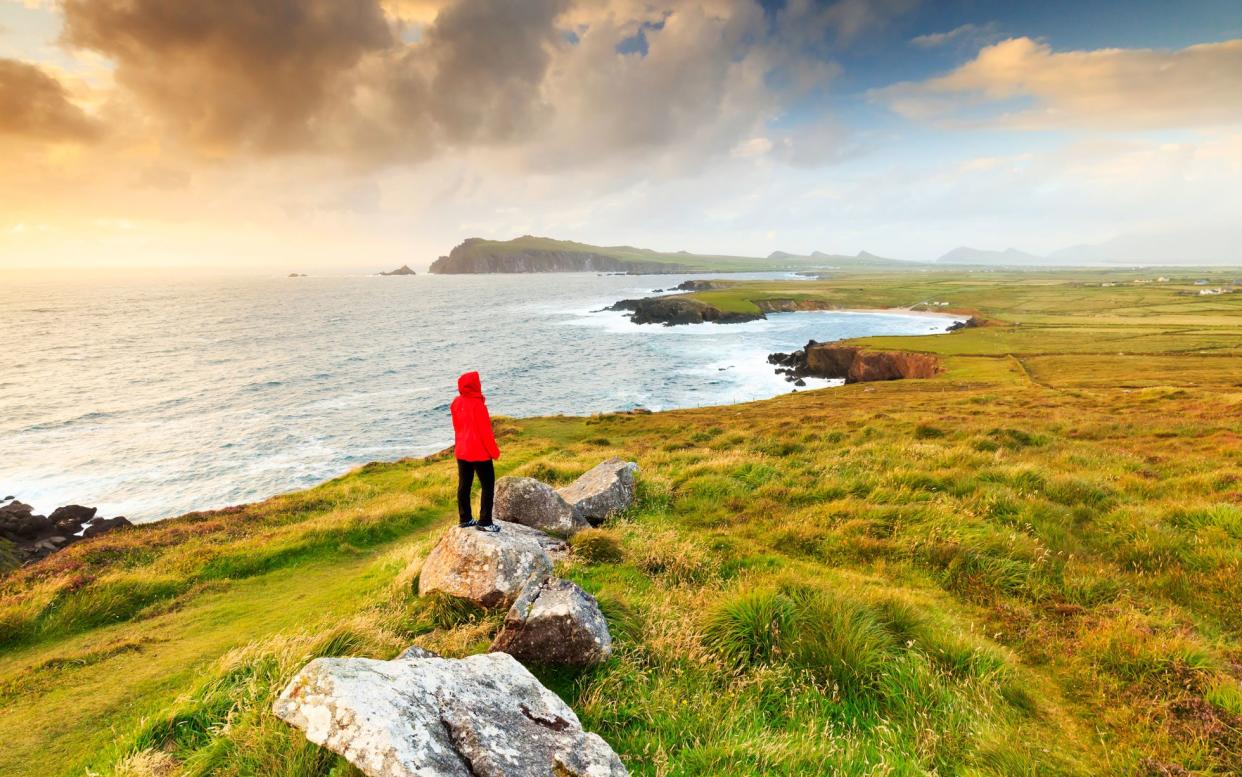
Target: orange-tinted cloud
550, 76
1105, 88
35, 105
232, 73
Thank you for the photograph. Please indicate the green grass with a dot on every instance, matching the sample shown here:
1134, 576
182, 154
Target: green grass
1026, 565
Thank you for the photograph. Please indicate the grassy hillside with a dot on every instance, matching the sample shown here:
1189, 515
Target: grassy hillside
1027, 565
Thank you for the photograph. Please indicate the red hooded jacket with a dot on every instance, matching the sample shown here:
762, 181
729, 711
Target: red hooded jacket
472, 425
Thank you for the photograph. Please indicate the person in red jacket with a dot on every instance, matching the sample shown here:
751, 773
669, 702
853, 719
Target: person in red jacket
474, 444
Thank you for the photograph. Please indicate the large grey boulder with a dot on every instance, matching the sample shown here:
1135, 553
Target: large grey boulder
555, 622
487, 569
604, 490
426, 716
536, 504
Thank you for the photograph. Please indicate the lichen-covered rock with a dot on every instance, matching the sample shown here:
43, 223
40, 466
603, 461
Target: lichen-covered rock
555, 622
532, 503
487, 569
426, 716
556, 547
604, 490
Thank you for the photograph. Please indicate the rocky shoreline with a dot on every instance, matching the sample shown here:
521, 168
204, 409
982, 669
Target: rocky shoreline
680, 309
833, 361
37, 536
674, 311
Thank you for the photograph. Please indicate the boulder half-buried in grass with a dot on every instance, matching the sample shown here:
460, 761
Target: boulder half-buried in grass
487, 569
426, 716
605, 490
536, 504
555, 622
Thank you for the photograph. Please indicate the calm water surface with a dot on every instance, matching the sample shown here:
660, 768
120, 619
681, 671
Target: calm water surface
150, 399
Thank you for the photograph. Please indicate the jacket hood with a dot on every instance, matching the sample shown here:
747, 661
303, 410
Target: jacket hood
468, 385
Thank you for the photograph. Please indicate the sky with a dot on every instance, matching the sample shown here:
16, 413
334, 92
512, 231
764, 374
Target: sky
276, 136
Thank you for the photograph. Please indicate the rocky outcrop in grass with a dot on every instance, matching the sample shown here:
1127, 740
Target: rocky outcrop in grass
426, 716
555, 622
485, 714
605, 490
529, 502
486, 569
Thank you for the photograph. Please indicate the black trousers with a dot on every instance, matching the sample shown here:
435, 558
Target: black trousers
466, 470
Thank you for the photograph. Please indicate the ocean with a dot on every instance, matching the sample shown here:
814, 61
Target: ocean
151, 398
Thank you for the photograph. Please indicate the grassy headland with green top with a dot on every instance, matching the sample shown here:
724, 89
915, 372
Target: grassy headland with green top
1028, 564
544, 254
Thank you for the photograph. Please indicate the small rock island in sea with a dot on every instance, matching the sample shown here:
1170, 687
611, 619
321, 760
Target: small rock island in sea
402, 270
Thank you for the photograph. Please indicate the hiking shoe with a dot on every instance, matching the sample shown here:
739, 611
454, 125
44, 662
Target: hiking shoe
467, 524
488, 527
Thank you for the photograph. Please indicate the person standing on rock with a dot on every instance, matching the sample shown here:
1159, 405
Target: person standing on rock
474, 445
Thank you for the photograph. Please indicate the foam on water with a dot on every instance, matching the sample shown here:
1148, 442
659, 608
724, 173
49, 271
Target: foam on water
150, 399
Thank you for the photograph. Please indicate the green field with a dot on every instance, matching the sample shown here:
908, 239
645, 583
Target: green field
1028, 565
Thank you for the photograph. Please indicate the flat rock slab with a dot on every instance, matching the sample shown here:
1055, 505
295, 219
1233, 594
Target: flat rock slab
426, 716
555, 622
536, 504
487, 569
556, 547
604, 490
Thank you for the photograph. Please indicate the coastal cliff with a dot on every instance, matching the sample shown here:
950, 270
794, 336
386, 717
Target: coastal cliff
854, 364
530, 254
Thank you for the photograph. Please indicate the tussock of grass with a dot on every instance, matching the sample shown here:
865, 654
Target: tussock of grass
597, 545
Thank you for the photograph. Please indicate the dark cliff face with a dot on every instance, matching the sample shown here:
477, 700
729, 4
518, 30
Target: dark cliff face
854, 364
467, 258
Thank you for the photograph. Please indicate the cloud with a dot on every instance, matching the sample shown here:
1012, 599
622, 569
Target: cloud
548, 82
238, 124
229, 73
416, 11
484, 64
35, 105
1022, 83
851, 18
966, 34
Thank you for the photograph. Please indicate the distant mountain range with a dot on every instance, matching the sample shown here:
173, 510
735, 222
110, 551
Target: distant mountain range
1188, 248
529, 254
1010, 256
